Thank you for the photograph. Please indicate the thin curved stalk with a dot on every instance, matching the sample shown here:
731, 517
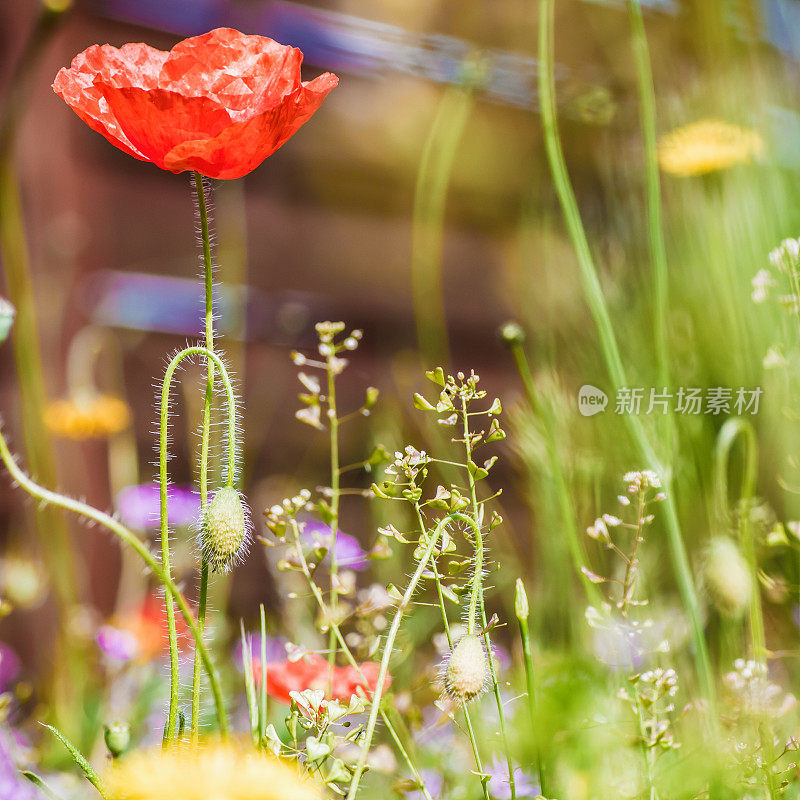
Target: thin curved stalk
126, 536
608, 344
172, 713
67, 684
339, 636
389, 646
728, 434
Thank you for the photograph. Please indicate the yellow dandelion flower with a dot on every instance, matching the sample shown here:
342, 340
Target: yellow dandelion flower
211, 771
707, 146
95, 415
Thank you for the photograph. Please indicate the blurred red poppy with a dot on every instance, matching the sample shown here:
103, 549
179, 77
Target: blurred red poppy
218, 104
313, 672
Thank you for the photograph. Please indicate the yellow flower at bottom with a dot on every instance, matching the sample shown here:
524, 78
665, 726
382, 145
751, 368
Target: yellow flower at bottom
211, 771
707, 146
94, 415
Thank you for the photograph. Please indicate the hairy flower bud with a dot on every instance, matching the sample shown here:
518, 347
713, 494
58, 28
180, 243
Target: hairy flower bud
727, 577
466, 671
224, 534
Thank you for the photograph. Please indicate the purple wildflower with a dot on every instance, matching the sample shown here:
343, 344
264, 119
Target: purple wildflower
9, 666
499, 785
12, 785
140, 506
349, 554
276, 650
117, 644
434, 783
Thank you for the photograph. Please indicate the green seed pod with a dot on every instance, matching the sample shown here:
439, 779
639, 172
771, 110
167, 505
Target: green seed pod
466, 671
224, 534
727, 577
118, 738
521, 601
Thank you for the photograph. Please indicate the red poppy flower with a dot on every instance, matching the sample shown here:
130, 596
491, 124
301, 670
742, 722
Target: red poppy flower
219, 103
150, 628
313, 672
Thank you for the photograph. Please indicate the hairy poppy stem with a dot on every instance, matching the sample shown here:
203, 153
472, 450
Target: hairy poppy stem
208, 269
126, 536
476, 601
172, 714
446, 622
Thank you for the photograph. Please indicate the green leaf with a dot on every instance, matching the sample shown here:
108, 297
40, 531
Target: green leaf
326, 513
40, 784
496, 433
421, 404
436, 375
337, 771
379, 455
478, 473
316, 749
249, 684
272, 741
450, 594
372, 397
80, 760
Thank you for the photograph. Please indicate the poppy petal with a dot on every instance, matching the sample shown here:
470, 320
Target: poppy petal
156, 120
241, 147
219, 103
245, 74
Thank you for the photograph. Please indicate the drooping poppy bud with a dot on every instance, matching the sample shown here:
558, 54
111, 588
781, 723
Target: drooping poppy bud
466, 670
225, 531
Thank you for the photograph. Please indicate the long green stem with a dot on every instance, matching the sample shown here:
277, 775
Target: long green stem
522, 611
446, 622
54, 539
599, 310
351, 658
333, 428
477, 598
49, 497
208, 270
172, 713
655, 228
427, 240
389, 647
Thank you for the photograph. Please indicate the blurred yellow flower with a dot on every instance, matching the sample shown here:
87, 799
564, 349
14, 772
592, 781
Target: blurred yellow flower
94, 415
707, 146
214, 771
